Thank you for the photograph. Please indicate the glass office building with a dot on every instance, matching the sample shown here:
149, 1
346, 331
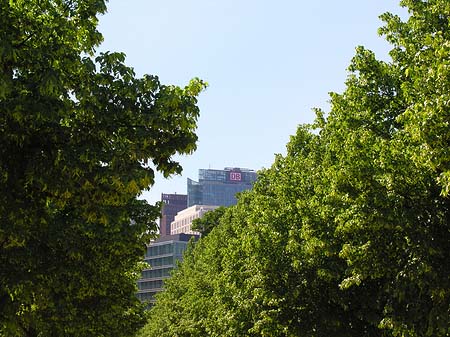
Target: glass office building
219, 187
162, 256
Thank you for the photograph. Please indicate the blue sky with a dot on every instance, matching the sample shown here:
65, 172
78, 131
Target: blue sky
267, 64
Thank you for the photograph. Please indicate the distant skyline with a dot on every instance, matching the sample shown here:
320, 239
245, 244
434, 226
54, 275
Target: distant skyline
267, 64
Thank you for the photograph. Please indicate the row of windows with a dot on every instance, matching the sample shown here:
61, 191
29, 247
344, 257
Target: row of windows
146, 296
176, 248
161, 261
224, 195
156, 284
155, 273
217, 175
185, 229
159, 250
225, 176
248, 177
213, 193
183, 222
173, 197
177, 203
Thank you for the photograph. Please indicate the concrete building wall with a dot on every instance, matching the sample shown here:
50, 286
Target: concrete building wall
172, 204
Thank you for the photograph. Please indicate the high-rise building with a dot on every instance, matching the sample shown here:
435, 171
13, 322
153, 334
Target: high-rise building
183, 220
219, 187
162, 255
172, 204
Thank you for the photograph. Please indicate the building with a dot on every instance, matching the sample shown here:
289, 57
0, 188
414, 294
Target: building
172, 204
219, 187
183, 220
162, 255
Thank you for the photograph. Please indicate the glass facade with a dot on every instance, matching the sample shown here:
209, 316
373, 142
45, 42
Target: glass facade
161, 256
219, 187
195, 193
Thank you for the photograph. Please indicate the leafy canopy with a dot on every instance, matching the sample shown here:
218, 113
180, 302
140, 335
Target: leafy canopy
81, 137
348, 234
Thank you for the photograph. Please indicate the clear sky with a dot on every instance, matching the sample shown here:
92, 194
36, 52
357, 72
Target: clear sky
268, 63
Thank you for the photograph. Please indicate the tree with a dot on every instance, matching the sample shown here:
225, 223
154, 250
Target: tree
205, 224
81, 138
199, 298
420, 48
348, 234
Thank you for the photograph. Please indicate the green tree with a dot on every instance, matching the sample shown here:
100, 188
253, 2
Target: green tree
348, 234
205, 224
199, 298
81, 138
421, 49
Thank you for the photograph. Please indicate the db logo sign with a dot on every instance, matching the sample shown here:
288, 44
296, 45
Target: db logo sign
235, 176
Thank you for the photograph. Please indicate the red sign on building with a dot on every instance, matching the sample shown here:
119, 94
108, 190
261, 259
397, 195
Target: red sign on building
235, 176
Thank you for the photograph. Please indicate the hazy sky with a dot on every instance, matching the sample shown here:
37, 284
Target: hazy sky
268, 63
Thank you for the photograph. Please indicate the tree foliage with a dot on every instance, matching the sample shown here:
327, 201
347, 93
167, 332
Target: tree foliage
80, 139
348, 233
211, 219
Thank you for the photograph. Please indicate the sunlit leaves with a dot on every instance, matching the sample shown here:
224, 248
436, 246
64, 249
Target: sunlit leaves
77, 134
348, 234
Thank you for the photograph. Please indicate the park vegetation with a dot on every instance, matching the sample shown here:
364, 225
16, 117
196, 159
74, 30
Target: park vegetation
348, 234
80, 138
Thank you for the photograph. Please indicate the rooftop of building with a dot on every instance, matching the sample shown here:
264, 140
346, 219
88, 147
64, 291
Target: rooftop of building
195, 208
183, 237
173, 196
